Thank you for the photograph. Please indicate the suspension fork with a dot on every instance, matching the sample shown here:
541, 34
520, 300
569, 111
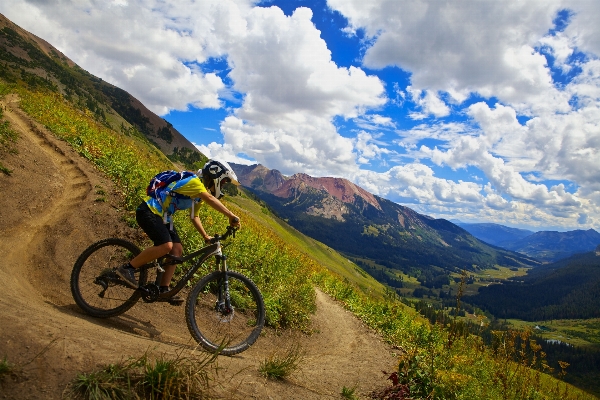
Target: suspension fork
224, 297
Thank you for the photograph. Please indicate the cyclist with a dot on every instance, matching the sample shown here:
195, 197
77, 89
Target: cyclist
155, 218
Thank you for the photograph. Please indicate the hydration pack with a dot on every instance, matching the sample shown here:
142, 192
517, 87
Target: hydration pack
162, 180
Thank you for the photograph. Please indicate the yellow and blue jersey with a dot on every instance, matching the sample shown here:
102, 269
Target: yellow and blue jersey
187, 196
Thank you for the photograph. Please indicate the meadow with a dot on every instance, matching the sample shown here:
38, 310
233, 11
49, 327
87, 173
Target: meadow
576, 332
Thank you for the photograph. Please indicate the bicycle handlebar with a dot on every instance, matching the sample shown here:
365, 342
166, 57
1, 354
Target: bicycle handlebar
230, 231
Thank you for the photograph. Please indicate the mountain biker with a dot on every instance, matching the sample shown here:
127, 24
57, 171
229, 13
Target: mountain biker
155, 218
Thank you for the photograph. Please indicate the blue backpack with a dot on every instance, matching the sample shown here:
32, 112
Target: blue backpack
163, 179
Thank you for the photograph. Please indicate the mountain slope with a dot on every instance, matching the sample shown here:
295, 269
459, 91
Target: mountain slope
351, 220
495, 234
56, 214
552, 246
29, 59
124, 153
51, 342
567, 289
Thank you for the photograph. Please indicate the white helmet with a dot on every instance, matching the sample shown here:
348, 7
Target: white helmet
220, 173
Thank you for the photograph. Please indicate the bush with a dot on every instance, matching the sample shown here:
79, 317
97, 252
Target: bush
280, 366
161, 377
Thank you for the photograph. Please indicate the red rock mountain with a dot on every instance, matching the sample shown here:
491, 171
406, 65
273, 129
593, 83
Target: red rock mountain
340, 191
351, 220
340, 188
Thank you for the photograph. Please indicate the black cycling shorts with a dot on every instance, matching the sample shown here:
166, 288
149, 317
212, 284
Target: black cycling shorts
154, 226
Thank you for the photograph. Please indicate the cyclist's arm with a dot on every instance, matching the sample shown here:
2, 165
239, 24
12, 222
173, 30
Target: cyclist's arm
220, 207
198, 225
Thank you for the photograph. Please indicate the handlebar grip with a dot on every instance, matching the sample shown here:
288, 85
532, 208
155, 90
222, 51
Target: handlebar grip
231, 230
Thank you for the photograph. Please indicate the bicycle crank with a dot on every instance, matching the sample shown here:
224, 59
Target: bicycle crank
150, 292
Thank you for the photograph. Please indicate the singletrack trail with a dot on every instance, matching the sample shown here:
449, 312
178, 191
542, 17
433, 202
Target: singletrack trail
49, 214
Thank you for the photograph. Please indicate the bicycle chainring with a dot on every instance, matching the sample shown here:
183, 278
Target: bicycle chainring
150, 292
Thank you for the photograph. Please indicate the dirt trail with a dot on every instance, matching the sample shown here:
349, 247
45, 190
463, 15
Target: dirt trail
48, 215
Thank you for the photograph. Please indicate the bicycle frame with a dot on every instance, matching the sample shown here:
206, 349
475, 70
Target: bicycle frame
211, 317
215, 249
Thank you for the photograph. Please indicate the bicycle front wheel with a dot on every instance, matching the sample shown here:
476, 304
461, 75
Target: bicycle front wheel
217, 327
95, 286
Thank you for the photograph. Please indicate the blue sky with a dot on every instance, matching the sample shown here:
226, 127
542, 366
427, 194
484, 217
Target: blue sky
472, 110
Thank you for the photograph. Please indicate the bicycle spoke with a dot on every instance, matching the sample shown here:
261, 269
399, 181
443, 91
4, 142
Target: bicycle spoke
213, 325
95, 286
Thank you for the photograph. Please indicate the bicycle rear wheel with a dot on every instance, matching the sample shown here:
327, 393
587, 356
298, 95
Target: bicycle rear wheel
231, 331
95, 286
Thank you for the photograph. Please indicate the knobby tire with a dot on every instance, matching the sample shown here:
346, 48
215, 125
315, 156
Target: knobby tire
93, 270
215, 331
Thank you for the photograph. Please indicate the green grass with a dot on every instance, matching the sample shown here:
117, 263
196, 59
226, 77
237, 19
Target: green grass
349, 393
280, 366
5, 367
8, 136
162, 377
487, 277
577, 332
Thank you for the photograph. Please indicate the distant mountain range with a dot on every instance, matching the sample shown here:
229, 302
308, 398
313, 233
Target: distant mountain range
495, 234
547, 246
567, 289
365, 226
553, 246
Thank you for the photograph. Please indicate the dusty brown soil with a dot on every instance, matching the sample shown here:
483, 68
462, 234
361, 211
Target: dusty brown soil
48, 215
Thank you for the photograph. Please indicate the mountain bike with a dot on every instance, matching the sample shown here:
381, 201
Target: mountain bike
224, 310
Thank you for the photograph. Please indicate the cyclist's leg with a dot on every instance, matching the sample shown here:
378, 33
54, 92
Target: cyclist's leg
177, 251
151, 253
157, 231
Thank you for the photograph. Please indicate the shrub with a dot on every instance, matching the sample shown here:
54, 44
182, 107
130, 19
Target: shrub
147, 377
5, 367
280, 366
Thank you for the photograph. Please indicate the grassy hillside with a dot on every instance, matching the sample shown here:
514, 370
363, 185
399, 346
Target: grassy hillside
434, 361
29, 60
324, 255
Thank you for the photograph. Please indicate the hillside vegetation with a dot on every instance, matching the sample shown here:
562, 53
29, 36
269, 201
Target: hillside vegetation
434, 361
567, 289
387, 239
